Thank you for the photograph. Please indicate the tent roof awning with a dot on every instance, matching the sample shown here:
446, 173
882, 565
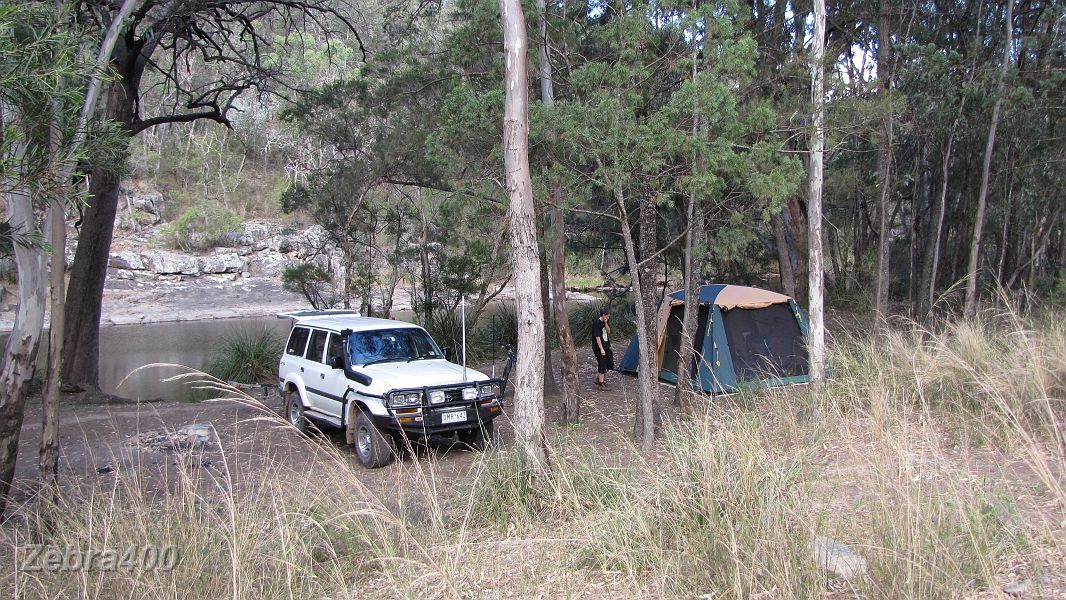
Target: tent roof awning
735, 296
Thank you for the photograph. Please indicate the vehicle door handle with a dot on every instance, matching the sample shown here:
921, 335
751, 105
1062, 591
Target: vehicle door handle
301, 369
321, 375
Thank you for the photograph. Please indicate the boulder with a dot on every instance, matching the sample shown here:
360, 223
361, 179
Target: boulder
257, 230
147, 205
268, 264
229, 262
171, 263
126, 260
837, 558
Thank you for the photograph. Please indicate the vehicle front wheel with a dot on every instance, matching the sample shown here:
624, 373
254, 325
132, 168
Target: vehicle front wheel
479, 438
294, 410
371, 447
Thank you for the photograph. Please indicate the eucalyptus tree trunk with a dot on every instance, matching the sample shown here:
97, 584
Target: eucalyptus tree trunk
48, 458
784, 258
20, 354
550, 387
647, 416
81, 337
816, 329
683, 389
884, 168
933, 257
571, 412
529, 381
693, 242
647, 374
970, 308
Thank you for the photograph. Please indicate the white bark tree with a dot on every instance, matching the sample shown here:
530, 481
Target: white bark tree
529, 376
56, 226
816, 330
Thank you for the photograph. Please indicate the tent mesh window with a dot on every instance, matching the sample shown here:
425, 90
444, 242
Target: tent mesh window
672, 343
765, 342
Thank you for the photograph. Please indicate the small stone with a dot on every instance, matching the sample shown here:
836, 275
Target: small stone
837, 558
198, 434
1015, 588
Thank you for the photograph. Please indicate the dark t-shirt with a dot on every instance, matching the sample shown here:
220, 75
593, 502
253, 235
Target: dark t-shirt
598, 332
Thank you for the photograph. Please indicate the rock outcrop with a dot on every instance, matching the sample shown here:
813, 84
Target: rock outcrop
262, 250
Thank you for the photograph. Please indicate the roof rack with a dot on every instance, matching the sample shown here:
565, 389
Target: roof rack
315, 313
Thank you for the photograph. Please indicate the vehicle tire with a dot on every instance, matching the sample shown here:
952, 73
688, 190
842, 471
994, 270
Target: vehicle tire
479, 438
371, 447
294, 410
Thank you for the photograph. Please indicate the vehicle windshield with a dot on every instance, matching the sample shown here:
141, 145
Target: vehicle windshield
391, 345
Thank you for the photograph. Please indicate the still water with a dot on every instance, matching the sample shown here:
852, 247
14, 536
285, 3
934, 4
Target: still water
125, 349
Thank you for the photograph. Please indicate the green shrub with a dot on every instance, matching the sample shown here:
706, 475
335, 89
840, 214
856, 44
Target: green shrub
313, 282
201, 227
247, 357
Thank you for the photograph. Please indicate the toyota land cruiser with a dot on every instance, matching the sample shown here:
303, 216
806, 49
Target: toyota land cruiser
381, 380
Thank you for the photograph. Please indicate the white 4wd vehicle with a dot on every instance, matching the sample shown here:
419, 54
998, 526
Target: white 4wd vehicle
381, 380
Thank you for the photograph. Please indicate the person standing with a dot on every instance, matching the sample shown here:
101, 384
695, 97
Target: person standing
601, 346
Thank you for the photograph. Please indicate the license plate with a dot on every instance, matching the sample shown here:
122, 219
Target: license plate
457, 416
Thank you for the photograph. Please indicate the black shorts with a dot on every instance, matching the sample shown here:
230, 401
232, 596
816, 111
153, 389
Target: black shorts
605, 362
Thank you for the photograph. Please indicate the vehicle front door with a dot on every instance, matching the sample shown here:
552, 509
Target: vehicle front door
336, 382
319, 391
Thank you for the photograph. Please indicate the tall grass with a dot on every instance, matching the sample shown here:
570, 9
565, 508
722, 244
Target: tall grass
728, 505
997, 376
720, 515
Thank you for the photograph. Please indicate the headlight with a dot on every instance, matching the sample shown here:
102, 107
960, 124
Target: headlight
490, 390
405, 399
469, 393
436, 396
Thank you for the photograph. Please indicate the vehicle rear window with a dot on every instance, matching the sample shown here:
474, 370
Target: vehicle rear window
317, 345
297, 341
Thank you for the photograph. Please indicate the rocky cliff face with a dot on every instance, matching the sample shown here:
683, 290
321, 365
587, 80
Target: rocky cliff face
263, 249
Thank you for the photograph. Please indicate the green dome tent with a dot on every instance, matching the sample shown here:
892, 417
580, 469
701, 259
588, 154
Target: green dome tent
744, 337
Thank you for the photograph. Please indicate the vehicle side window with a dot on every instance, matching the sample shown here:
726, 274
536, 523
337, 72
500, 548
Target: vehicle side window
317, 345
333, 348
297, 341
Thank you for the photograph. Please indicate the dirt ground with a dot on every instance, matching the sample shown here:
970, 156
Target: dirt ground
98, 437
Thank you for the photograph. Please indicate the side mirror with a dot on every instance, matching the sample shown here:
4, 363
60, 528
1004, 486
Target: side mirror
448, 354
337, 362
